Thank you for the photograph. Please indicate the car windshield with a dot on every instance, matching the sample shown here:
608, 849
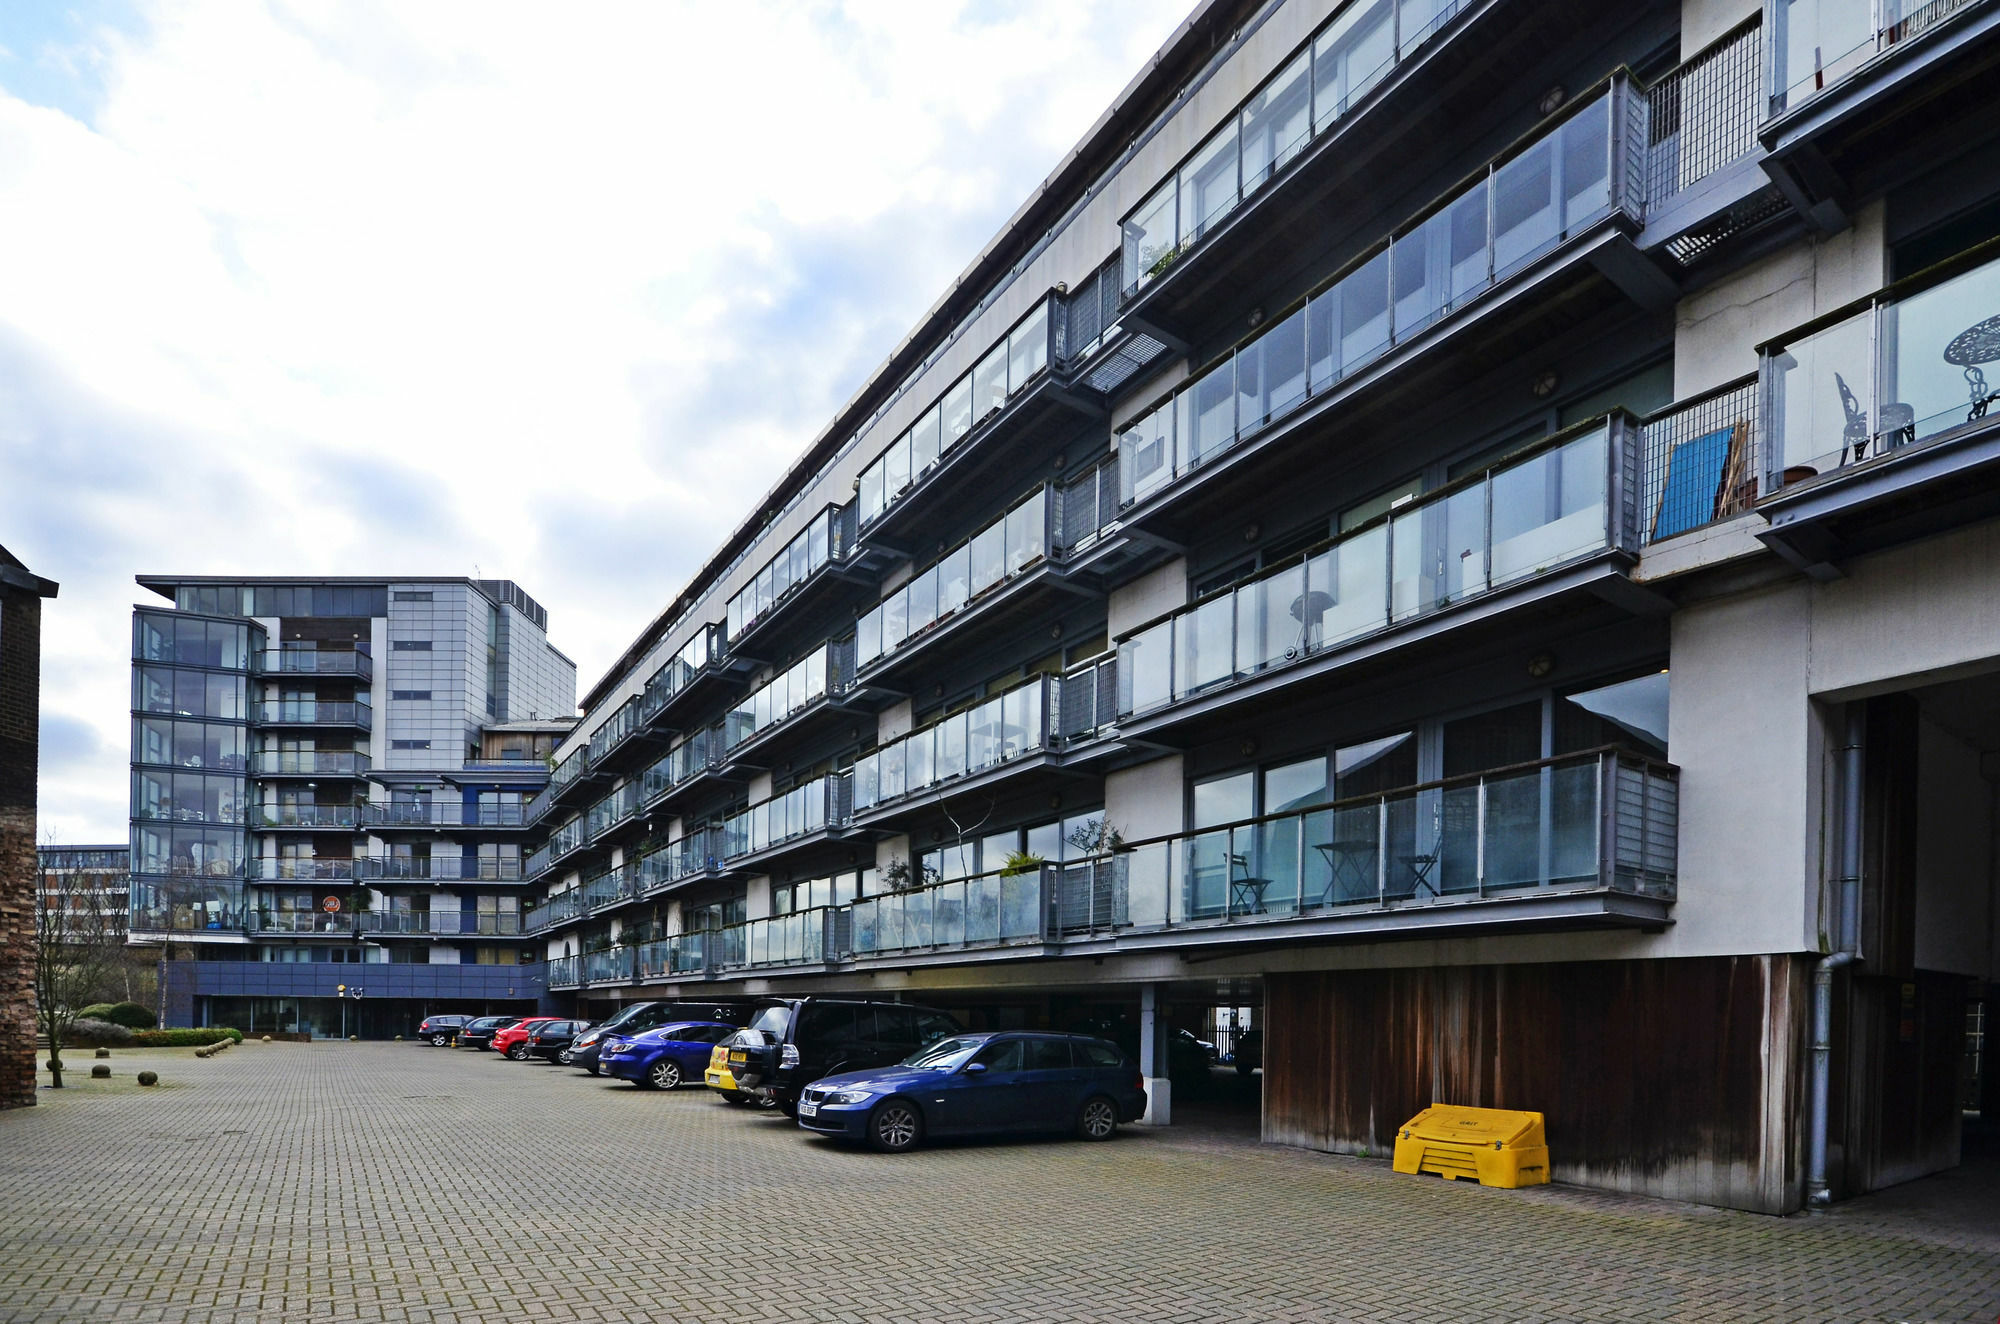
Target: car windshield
627, 1016
945, 1054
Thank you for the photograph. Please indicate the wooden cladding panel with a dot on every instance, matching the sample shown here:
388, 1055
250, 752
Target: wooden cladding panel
1678, 1078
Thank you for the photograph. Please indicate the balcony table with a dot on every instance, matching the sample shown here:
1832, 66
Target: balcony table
1976, 345
1346, 861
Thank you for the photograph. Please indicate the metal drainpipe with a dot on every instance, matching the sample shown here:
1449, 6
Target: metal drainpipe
1848, 951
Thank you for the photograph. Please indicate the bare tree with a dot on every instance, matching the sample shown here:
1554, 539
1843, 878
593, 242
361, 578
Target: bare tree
78, 945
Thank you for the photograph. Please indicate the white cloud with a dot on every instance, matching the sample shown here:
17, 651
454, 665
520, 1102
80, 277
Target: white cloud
320, 286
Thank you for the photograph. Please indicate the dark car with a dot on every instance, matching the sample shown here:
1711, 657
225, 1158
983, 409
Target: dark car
438, 1030
1249, 1053
479, 1033
981, 1084
642, 1016
550, 1041
664, 1057
1189, 1056
788, 1045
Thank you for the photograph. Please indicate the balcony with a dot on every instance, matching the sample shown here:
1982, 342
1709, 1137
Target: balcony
303, 923
695, 758
313, 712
1878, 425
611, 888
307, 818
616, 808
295, 870
798, 698
696, 855
440, 924
437, 868
1864, 92
558, 909
421, 815
346, 763
791, 579
1380, 85
682, 954
1582, 841
565, 972
821, 805
614, 965
351, 663
1558, 523
952, 754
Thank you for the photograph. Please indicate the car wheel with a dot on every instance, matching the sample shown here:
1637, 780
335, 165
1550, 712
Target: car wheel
1244, 1068
437, 1041
1098, 1119
515, 1052
895, 1126
564, 1056
765, 1101
664, 1074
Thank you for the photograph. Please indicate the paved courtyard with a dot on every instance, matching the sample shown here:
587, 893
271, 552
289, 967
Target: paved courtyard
392, 1181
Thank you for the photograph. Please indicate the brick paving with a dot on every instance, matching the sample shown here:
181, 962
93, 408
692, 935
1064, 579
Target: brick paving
397, 1182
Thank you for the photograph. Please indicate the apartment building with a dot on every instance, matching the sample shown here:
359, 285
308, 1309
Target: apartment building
329, 781
94, 880
1466, 528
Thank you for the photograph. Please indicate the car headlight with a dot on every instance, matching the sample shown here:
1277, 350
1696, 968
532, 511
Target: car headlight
845, 1098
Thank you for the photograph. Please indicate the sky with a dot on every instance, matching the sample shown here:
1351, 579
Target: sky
548, 293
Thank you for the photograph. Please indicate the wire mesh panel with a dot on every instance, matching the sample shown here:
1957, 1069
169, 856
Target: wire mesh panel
1704, 114
1700, 461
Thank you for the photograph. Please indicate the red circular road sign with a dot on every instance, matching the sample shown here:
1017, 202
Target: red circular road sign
330, 905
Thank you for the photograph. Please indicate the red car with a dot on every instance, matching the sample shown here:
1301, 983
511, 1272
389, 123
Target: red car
512, 1042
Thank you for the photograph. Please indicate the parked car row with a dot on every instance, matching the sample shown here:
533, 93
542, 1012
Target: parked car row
884, 1073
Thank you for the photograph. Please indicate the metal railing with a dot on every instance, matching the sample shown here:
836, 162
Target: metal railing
1821, 34
1084, 506
308, 763
442, 924
309, 816
564, 972
610, 888
986, 910
822, 803
1011, 545
312, 712
293, 870
1563, 503
799, 561
301, 921
1704, 114
445, 813
1902, 367
680, 954
613, 965
439, 868
1087, 699
804, 937
1008, 726
1700, 460
314, 662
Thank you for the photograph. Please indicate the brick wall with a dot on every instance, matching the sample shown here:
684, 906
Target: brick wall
21, 595
20, 701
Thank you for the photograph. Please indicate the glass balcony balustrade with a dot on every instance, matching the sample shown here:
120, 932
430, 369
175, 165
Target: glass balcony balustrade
1351, 55
610, 888
812, 807
1005, 727
307, 870
1908, 367
1817, 43
1522, 207
185, 906
1504, 527
443, 923
339, 924
700, 752
309, 763
804, 937
1006, 369
313, 712
565, 972
566, 839
445, 813
797, 562
790, 693
441, 868
612, 810
558, 909
613, 732
985, 910
1010, 546
680, 954
353, 663
680, 670
281, 816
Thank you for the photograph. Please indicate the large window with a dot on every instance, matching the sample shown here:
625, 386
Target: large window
184, 693
187, 797
176, 742
165, 637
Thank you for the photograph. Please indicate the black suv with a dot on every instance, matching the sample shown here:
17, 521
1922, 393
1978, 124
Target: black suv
479, 1033
643, 1016
551, 1041
438, 1030
788, 1045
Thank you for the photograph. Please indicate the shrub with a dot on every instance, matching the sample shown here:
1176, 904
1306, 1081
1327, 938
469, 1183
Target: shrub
97, 1011
132, 1016
183, 1038
149, 1077
84, 1033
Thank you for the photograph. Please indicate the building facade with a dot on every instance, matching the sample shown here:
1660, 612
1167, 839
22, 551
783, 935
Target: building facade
21, 594
1464, 531
328, 788
95, 877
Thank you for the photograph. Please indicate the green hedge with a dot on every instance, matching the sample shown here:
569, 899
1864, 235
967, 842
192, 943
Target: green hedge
132, 1016
183, 1038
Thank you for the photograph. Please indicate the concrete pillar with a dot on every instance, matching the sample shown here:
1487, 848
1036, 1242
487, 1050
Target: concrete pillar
1153, 1032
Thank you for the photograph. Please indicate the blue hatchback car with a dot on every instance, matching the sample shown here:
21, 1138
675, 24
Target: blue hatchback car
664, 1057
981, 1084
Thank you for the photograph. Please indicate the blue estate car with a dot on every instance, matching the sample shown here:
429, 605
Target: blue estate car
981, 1084
664, 1057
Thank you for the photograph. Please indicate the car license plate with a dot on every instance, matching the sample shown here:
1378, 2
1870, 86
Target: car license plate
714, 1078
808, 1110
739, 1057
